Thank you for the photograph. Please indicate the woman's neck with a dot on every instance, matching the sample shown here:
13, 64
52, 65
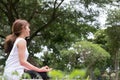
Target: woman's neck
21, 36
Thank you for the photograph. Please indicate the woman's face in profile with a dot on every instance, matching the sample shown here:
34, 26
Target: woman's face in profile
26, 31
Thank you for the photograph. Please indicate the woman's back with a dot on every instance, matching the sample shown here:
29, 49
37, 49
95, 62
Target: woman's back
12, 63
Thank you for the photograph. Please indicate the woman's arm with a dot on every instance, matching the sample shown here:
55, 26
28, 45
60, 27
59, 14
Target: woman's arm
21, 52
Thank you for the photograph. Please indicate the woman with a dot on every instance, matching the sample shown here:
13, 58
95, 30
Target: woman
15, 45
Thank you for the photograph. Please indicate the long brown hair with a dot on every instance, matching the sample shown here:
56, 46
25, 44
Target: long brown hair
17, 27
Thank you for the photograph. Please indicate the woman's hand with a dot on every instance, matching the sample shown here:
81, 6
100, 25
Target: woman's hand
45, 69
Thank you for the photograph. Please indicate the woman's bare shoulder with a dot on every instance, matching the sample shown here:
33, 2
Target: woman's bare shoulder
21, 42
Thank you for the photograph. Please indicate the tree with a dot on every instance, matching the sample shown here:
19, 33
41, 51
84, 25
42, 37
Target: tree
53, 25
41, 16
113, 17
81, 55
114, 46
100, 38
45, 12
112, 31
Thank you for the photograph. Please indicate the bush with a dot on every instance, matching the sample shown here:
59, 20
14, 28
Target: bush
56, 74
78, 74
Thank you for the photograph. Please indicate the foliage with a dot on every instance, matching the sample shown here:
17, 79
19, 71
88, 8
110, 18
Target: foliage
114, 46
90, 53
26, 76
52, 24
97, 72
113, 36
100, 37
113, 32
78, 74
57, 26
56, 74
105, 76
113, 17
84, 54
80, 55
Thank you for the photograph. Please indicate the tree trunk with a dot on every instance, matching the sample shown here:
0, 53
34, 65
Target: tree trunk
117, 65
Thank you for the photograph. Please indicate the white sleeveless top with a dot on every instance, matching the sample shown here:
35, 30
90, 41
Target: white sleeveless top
13, 70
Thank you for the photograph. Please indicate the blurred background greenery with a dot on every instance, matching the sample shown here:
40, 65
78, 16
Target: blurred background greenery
78, 38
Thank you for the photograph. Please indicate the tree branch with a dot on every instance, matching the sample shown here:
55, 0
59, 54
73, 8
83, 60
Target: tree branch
33, 14
35, 10
15, 2
10, 11
56, 7
53, 17
59, 4
38, 30
14, 9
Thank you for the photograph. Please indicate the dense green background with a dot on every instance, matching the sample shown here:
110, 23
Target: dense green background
63, 28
